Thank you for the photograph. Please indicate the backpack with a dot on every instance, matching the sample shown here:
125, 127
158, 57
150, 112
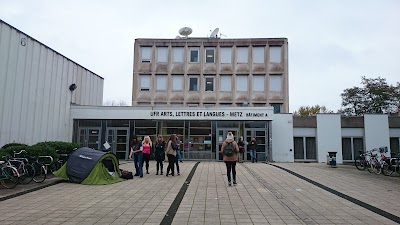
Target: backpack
229, 149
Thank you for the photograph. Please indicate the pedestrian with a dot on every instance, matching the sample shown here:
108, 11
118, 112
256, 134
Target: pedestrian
178, 153
136, 151
252, 147
241, 150
229, 151
171, 154
159, 147
147, 145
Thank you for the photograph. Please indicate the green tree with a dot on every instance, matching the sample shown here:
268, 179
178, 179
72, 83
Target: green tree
311, 110
376, 96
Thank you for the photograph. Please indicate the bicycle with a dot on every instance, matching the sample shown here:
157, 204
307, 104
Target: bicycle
391, 165
9, 176
40, 169
360, 162
25, 169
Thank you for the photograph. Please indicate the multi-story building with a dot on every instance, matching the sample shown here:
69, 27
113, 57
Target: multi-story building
208, 72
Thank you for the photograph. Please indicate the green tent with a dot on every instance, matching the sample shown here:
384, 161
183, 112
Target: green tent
89, 166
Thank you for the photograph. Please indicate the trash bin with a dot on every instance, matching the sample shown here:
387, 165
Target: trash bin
331, 160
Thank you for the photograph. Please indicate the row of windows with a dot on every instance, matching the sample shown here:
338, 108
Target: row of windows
277, 106
242, 54
177, 83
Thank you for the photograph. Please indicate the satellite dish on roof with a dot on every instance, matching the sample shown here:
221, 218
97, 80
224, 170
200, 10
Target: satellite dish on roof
185, 31
214, 34
178, 37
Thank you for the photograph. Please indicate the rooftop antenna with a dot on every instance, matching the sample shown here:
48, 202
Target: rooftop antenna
214, 34
185, 31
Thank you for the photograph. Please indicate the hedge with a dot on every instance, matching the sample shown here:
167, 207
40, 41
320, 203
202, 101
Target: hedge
12, 144
11, 149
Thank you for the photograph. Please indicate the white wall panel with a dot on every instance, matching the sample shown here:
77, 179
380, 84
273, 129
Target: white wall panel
34, 89
376, 131
352, 132
304, 132
329, 136
282, 138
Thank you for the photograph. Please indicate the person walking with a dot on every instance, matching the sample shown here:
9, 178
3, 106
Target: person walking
159, 147
178, 154
171, 154
146, 145
229, 151
252, 147
136, 151
241, 150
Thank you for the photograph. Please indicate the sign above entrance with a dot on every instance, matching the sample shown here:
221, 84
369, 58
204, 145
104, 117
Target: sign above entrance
212, 114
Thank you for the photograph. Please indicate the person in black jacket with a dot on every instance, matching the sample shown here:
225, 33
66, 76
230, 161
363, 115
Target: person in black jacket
159, 147
241, 150
252, 147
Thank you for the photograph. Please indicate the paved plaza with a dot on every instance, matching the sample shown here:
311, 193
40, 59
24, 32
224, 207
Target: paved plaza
265, 194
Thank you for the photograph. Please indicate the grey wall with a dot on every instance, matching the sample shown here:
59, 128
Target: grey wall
34, 89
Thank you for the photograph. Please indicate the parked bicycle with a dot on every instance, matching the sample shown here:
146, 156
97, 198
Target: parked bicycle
9, 176
25, 170
391, 165
40, 168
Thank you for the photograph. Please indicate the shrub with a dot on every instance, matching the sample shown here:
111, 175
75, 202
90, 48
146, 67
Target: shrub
12, 144
11, 149
62, 147
41, 149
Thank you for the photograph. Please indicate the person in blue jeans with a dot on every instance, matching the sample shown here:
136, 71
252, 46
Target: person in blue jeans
252, 147
136, 151
178, 154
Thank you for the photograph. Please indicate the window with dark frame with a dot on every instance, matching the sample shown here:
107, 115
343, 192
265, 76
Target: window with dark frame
209, 84
194, 56
210, 56
193, 83
277, 107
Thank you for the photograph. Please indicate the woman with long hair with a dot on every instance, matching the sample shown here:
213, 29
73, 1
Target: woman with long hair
159, 147
146, 145
171, 153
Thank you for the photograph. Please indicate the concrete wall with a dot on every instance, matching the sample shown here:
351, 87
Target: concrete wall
329, 136
203, 69
376, 131
34, 89
282, 138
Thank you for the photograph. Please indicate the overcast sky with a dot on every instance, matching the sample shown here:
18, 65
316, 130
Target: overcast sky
331, 43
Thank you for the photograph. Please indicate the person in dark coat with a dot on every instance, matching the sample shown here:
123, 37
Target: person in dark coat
159, 153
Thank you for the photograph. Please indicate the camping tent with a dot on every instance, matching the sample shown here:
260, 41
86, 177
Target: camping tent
89, 166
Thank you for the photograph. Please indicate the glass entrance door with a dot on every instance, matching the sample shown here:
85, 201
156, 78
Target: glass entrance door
261, 136
89, 137
119, 141
221, 136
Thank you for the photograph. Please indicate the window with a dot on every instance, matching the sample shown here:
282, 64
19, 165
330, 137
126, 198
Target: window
193, 84
226, 55
161, 82
307, 143
225, 104
277, 107
275, 54
210, 56
241, 83
177, 82
160, 104
145, 82
209, 84
275, 83
208, 105
177, 54
194, 55
394, 146
351, 146
242, 55
226, 83
258, 54
145, 53
162, 54
193, 104
259, 105
177, 105
258, 82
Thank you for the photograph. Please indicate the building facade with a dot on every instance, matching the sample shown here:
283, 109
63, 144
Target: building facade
211, 72
37, 87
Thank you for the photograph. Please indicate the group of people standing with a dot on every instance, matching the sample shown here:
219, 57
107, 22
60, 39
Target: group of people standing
141, 151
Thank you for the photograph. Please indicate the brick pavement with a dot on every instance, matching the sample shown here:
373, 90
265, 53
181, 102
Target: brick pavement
377, 190
264, 195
